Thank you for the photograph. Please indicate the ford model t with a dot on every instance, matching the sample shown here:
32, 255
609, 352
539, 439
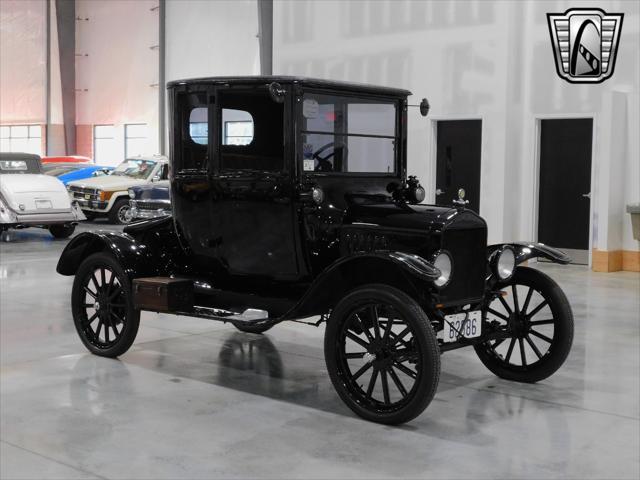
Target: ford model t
291, 200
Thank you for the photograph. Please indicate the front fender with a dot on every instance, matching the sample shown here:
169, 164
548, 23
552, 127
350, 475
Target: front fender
526, 250
131, 255
409, 273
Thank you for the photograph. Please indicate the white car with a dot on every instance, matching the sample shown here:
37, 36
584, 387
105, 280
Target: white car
108, 195
29, 198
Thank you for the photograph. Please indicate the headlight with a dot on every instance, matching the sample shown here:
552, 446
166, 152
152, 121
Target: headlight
132, 194
505, 263
443, 262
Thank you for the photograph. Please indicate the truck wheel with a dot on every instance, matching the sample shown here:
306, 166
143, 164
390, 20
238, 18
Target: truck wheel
382, 354
538, 324
102, 307
120, 213
62, 230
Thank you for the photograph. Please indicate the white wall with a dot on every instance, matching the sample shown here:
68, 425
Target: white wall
23, 70
120, 68
482, 59
211, 38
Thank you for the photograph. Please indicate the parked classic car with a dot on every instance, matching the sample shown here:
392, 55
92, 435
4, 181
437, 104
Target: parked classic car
28, 198
150, 201
68, 172
109, 196
310, 214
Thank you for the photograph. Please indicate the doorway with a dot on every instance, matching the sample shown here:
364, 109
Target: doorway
564, 194
458, 152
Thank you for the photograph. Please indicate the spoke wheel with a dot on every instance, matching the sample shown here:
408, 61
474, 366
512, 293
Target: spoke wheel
536, 320
382, 354
120, 213
103, 312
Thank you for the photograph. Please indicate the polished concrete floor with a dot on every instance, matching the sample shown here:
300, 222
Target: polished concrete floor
197, 399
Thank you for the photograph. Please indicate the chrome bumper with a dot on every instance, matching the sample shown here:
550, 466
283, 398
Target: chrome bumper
10, 217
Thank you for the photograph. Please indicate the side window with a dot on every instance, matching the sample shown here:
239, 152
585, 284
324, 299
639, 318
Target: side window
251, 131
191, 149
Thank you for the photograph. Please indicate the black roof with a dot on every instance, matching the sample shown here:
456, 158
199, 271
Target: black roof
19, 156
310, 82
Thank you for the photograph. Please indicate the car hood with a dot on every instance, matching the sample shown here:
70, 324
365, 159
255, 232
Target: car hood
33, 192
417, 217
108, 183
153, 191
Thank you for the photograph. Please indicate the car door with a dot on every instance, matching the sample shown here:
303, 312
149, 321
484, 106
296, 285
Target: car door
252, 209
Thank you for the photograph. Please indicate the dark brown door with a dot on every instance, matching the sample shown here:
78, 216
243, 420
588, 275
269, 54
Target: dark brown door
565, 185
459, 143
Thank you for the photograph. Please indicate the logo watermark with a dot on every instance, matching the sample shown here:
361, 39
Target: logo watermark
585, 43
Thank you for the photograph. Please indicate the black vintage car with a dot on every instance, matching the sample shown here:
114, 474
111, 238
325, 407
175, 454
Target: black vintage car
291, 201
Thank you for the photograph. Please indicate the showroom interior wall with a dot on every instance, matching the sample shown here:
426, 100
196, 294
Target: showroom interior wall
116, 73
487, 60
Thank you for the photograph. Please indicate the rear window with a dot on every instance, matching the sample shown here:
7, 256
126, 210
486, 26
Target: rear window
19, 166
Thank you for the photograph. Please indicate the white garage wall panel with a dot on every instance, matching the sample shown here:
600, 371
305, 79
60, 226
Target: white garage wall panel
211, 38
117, 80
482, 59
23, 70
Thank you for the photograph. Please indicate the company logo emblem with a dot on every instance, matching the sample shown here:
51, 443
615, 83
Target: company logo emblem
585, 43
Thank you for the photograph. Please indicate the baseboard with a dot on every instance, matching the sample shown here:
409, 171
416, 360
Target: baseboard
615, 260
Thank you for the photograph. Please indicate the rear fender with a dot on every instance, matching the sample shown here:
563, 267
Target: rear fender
526, 250
131, 255
410, 273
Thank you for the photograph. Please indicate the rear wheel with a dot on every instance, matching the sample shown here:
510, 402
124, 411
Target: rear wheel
120, 213
538, 324
103, 311
382, 354
62, 230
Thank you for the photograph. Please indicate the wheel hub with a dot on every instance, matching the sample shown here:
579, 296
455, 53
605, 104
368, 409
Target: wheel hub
518, 325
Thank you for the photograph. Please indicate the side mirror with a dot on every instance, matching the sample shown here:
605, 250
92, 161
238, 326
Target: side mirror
277, 92
424, 107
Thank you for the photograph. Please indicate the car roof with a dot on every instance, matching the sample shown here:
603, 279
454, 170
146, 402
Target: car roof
304, 81
19, 156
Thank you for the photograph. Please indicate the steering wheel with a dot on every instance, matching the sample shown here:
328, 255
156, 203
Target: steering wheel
323, 162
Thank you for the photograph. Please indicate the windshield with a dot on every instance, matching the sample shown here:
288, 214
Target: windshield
55, 170
348, 134
139, 169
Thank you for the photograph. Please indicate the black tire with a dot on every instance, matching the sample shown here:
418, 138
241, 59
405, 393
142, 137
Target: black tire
90, 215
397, 321
120, 212
543, 333
62, 230
253, 328
100, 279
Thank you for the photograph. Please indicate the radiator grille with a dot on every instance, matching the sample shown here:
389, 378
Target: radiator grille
469, 251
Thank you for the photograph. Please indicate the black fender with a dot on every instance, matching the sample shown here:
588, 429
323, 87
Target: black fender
410, 273
142, 249
526, 250
130, 254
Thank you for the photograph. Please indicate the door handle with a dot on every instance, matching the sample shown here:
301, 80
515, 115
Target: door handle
439, 191
587, 195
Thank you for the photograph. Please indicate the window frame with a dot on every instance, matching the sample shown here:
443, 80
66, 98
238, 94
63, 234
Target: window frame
28, 138
127, 137
399, 134
94, 138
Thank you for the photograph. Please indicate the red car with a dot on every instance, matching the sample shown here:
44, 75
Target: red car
67, 158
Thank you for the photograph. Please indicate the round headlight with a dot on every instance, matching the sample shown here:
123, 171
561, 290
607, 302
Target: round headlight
132, 194
442, 261
506, 263
317, 195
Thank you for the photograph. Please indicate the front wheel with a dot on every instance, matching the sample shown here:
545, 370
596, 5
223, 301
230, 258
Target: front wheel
382, 354
120, 213
62, 230
536, 320
102, 307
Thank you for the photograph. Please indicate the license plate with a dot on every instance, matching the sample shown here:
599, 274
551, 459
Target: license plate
43, 204
87, 196
455, 325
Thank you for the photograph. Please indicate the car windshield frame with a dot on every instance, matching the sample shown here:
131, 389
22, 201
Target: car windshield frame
394, 134
123, 172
